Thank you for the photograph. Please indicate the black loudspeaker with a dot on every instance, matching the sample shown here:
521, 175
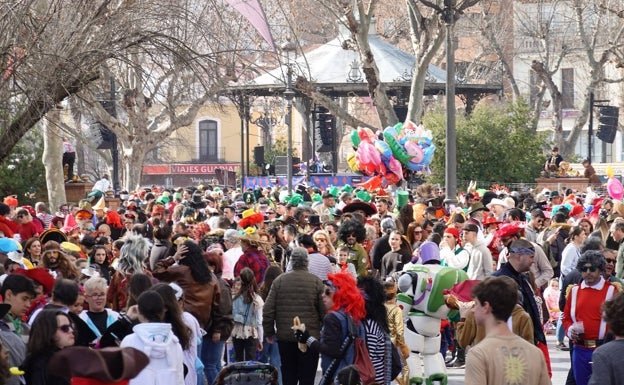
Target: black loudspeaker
259, 155
281, 165
608, 123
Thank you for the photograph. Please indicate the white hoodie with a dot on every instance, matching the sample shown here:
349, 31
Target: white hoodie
162, 347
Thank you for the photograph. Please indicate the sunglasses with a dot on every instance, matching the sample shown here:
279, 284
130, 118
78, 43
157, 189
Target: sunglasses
327, 292
610, 260
98, 295
66, 328
320, 239
590, 268
417, 231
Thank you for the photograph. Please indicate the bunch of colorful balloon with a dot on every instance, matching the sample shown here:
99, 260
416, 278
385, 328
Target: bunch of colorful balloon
393, 153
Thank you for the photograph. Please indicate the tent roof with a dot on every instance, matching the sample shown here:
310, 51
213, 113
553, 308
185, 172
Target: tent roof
330, 64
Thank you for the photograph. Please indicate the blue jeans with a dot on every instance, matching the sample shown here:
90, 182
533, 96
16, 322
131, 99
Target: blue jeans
559, 332
446, 340
211, 356
270, 355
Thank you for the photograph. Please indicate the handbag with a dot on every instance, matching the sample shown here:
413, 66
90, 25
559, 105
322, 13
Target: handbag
363, 362
397, 363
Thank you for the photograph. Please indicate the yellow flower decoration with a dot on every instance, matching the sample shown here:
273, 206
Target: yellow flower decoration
250, 230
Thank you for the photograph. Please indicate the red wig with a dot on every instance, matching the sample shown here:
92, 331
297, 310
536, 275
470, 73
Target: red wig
347, 296
113, 219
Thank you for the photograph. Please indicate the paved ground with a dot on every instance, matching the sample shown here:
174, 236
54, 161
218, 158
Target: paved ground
560, 364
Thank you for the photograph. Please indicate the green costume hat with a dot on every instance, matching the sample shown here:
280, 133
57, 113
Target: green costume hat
333, 190
347, 188
363, 195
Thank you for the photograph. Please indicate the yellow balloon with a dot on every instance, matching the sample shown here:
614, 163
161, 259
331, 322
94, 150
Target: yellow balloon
352, 162
609, 171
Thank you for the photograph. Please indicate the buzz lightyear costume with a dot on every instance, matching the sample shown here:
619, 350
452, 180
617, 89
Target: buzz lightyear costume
421, 296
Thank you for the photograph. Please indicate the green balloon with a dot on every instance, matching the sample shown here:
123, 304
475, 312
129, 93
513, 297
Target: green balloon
355, 138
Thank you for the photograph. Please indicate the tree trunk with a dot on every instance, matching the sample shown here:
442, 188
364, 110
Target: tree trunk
53, 159
417, 90
557, 121
426, 36
376, 89
132, 162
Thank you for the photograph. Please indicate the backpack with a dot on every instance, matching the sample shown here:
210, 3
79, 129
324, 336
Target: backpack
354, 352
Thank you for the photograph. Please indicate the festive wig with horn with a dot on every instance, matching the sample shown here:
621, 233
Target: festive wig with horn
347, 296
133, 254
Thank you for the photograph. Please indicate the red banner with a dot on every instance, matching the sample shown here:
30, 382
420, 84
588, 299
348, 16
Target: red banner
160, 169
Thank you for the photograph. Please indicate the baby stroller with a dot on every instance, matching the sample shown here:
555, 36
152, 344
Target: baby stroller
248, 373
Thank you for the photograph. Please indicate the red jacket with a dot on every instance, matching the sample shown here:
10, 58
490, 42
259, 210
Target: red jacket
8, 227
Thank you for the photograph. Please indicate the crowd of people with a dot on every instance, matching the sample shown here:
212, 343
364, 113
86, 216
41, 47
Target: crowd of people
202, 276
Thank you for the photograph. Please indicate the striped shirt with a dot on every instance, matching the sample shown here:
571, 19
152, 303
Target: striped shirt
319, 265
376, 345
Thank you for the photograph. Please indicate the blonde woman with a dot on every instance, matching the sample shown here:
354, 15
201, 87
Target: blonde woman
323, 243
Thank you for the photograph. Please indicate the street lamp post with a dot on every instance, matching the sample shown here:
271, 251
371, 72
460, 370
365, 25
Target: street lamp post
451, 133
289, 50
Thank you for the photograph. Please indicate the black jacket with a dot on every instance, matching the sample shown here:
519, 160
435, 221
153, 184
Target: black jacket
528, 298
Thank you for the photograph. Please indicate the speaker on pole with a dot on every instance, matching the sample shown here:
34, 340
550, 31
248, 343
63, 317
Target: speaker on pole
259, 155
608, 123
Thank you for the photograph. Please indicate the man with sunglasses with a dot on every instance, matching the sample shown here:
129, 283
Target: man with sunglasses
582, 319
535, 225
521, 257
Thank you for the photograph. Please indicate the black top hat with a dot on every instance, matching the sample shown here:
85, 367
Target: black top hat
314, 220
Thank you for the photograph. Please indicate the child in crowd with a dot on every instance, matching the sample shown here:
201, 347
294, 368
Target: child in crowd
247, 313
342, 256
551, 297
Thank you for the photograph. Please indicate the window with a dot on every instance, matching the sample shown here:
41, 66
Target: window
208, 141
567, 87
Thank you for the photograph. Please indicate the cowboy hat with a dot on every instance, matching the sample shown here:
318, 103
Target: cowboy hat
366, 207
52, 235
476, 207
251, 237
107, 365
497, 201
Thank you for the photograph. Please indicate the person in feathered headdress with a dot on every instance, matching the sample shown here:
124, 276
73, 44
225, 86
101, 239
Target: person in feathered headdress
252, 257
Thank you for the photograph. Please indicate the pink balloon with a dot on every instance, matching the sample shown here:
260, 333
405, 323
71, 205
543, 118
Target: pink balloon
395, 166
414, 150
615, 188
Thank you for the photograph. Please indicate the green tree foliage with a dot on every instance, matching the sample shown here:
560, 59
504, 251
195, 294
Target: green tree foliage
494, 144
279, 147
22, 172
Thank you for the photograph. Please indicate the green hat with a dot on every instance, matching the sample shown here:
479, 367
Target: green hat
363, 195
162, 199
333, 190
295, 199
402, 198
347, 188
317, 198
